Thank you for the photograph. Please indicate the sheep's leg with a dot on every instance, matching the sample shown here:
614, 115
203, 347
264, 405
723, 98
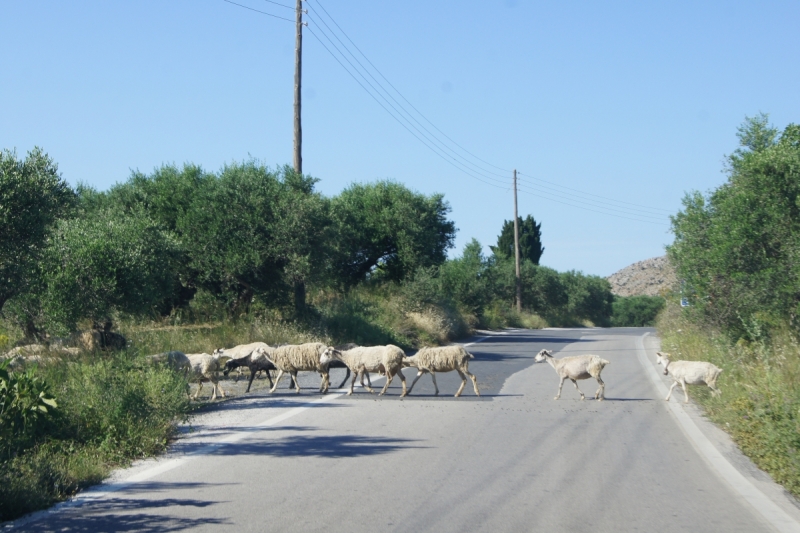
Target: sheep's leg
296, 383
685, 392
403, 380
353, 383
277, 380
269, 377
389, 378
601, 391
435, 385
197, 392
368, 386
560, 385
345, 378
574, 382
323, 387
419, 374
474, 382
674, 384
250, 381
214, 386
463, 382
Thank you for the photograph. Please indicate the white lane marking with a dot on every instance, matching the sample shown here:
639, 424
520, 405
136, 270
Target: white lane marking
103, 490
763, 504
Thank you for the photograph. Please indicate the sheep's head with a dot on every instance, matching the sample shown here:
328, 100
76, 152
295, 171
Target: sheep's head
408, 361
262, 352
662, 358
230, 365
542, 356
218, 352
329, 354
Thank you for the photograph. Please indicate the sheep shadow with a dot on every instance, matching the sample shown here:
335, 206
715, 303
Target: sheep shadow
323, 446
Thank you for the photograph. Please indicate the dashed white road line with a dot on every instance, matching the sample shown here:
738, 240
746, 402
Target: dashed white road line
776, 516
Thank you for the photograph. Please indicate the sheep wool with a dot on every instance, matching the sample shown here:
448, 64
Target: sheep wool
443, 359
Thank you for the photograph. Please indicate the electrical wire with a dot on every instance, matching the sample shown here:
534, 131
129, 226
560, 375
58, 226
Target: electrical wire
395, 88
595, 211
437, 146
257, 11
282, 5
434, 150
594, 203
582, 193
402, 110
430, 137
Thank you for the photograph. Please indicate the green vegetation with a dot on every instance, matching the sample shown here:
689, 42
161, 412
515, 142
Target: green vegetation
190, 260
737, 252
636, 311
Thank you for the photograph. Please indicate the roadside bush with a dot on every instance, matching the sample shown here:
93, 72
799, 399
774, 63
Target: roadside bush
760, 403
636, 311
109, 412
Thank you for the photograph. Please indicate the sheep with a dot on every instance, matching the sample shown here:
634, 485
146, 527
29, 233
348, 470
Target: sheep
204, 366
442, 359
255, 361
177, 361
362, 360
293, 358
691, 372
576, 367
241, 356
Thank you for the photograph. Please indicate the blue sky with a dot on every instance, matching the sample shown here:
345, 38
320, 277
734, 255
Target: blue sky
636, 102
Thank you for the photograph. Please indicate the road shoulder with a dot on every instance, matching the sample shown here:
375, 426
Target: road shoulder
770, 499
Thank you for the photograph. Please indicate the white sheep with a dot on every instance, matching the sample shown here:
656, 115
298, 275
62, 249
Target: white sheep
576, 367
362, 360
442, 359
691, 372
204, 366
294, 358
175, 360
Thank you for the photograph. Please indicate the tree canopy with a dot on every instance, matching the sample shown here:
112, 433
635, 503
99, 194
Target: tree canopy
530, 240
32, 196
738, 249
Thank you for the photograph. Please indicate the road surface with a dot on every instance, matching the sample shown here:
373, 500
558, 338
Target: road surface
512, 460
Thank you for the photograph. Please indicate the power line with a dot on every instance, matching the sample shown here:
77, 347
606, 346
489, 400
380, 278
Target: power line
398, 92
434, 150
599, 212
603, 197
591, 201
257, 11
282, 5
430, 136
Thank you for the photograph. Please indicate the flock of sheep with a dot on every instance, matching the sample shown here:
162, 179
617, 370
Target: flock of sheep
389, 360
317, 357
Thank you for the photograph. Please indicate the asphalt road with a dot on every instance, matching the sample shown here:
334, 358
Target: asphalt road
512, 460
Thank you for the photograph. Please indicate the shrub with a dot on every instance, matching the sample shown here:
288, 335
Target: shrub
636, 311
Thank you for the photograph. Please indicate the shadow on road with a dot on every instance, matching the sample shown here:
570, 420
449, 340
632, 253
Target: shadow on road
326, 446
130, 514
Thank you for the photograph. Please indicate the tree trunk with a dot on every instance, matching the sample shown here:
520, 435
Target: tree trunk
299, 297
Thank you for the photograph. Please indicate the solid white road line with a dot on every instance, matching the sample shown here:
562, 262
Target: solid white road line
776, 516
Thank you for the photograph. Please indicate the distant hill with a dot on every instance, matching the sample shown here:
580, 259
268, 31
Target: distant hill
651, 277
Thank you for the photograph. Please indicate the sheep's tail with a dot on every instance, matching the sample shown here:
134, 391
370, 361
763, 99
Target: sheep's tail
470, 355
604, 362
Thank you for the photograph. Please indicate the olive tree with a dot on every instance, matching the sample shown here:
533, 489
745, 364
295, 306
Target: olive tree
32, 197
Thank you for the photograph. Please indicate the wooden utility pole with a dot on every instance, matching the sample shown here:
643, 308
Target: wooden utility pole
516, 246
298, 63
299, 284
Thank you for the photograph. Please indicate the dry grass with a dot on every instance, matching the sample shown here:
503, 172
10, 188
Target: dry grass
760, 402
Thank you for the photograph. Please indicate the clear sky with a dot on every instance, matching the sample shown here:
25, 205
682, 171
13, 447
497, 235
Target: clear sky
607, 102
